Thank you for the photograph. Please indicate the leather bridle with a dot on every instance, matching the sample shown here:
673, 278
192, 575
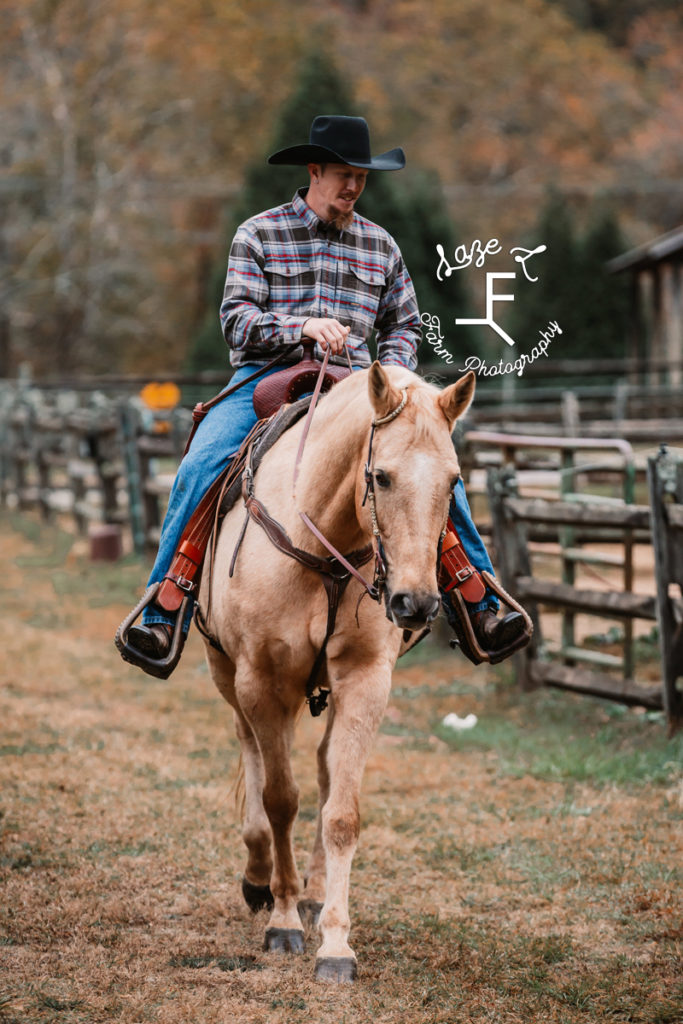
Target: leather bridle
370, 497
375, 589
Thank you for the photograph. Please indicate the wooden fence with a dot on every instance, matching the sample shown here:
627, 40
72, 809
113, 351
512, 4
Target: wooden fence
665, 478
633, 412
60, 456
89, 458
111, 460
591, 533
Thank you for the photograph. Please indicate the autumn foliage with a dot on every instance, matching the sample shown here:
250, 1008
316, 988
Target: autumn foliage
128, 128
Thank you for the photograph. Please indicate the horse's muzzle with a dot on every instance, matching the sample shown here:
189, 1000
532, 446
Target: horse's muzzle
413, 609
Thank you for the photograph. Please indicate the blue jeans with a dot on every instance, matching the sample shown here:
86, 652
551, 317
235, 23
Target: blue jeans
218, 437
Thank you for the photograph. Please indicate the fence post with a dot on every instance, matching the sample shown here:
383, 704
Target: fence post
665, 481
128, 419
510, 541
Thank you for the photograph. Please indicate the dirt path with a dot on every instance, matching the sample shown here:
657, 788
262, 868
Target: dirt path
525, 871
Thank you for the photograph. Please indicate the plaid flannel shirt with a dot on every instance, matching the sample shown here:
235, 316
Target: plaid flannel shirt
286, 265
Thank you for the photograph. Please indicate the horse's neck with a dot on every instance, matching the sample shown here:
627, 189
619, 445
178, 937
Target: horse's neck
328, 476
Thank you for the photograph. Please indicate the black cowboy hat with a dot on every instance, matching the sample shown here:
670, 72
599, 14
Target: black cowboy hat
340, 140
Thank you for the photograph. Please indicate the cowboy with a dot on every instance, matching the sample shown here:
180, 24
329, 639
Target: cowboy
311, 267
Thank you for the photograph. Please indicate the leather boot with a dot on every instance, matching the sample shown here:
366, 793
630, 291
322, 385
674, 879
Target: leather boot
493, 633
152, 641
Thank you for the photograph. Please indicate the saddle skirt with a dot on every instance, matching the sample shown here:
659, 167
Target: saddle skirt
185, 570
273, 429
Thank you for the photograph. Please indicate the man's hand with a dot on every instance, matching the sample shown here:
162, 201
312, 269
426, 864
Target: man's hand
327, 332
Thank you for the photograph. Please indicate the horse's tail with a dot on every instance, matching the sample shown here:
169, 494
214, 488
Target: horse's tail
239, 791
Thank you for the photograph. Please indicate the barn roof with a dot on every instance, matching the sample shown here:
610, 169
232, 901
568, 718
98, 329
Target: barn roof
665, 247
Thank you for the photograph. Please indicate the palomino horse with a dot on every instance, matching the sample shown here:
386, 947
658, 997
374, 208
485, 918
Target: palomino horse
270, 619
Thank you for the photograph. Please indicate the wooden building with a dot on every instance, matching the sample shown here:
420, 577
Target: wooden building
656, 271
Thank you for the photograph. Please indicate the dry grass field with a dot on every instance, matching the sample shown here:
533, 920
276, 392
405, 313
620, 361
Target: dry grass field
528, 870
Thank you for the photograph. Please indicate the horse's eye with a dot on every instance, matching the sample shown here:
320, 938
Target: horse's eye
381, 478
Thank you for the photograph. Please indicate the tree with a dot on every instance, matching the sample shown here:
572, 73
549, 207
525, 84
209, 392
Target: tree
605, 298
414, 211
613, 18
574, 287
555, 295
319, 89
119, 119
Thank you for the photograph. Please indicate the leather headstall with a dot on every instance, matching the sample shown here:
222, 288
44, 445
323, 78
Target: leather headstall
380, 577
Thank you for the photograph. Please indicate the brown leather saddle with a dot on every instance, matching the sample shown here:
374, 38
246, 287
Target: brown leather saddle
287, 386
279, 405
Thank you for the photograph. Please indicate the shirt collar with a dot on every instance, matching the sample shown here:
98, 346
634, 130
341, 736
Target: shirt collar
311, 219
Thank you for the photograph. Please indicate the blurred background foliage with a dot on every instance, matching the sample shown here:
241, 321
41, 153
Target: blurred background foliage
136, 135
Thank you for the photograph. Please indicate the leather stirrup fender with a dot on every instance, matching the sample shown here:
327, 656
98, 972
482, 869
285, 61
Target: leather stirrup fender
461, 584
456, 571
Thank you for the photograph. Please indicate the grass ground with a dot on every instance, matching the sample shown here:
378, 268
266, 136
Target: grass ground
526, 871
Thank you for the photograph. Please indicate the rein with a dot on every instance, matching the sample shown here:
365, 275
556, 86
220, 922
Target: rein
201, 408
380, 554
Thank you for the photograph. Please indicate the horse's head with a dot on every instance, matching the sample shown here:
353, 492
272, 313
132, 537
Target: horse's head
413, 469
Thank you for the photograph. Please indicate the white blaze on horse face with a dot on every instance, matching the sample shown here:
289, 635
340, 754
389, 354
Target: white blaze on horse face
411, 513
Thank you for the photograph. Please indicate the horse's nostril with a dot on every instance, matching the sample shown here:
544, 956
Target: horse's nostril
410, 605
401, 605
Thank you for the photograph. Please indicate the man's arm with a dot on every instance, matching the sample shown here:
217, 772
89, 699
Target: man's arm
245, 318
398, 325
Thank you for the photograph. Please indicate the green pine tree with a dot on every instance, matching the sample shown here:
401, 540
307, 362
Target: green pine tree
574, 287
556, 295
319, 90
605, 299
412, 210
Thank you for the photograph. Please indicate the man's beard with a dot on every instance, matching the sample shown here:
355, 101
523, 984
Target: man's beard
340, 220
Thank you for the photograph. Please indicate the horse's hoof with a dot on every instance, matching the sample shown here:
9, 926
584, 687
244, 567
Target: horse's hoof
342, 970
284, 940
309, 911
257, 896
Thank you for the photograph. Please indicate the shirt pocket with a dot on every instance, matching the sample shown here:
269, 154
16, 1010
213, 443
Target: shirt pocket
291, 284
363, 292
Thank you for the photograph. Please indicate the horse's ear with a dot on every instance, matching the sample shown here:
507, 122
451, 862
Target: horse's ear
455, 400
383, 397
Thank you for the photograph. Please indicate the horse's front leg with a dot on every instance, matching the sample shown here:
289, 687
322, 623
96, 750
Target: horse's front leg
360, 699
256, 831
316, 874
273, 726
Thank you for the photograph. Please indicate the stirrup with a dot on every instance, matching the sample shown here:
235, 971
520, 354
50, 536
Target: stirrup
466, 638
162, 668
